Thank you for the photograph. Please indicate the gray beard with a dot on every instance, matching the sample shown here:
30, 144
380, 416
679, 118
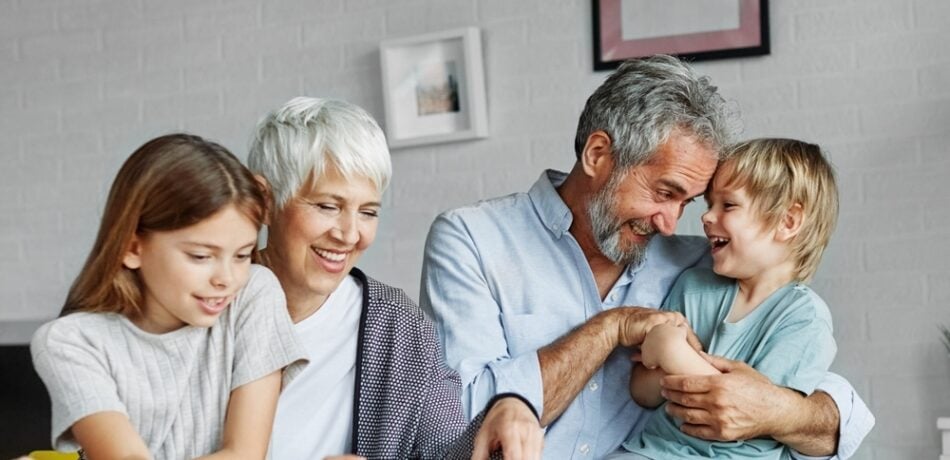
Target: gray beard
606, 228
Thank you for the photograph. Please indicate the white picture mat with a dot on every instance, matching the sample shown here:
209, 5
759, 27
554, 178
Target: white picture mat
452, 109
660, 18
405, 63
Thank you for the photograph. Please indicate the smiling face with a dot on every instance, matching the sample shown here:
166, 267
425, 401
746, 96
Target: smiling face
743, 246
320, 234
190, 275
648, 199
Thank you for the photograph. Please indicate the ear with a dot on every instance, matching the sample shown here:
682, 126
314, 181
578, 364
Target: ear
265, 186
791, 223
133, 255
597, 158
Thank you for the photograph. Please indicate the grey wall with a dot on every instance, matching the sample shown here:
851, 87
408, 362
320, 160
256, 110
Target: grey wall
83, 83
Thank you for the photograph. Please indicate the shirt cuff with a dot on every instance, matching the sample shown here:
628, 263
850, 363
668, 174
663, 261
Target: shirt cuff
854, 416
501, 396
522, 376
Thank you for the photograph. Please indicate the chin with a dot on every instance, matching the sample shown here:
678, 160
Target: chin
205, 323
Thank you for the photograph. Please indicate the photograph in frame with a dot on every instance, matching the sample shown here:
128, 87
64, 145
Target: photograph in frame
433, 88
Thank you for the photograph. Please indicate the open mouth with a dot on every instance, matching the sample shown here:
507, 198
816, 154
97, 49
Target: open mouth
331, 256
718, 243
641, 229
213, 305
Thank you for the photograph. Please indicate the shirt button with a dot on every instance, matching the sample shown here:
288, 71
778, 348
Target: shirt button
613, 297
593, 386
584, 449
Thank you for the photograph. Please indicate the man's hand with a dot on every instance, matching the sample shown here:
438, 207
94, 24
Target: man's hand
738, 404
635, 322
512, 427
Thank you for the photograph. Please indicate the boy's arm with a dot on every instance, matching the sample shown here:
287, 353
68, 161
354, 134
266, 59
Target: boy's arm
666, 347
645, 386
250, 419
665, 350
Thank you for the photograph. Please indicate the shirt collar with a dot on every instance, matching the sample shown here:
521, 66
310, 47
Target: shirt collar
557, 217
554, 213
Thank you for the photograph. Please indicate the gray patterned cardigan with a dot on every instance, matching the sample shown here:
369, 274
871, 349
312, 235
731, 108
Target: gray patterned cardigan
407, 401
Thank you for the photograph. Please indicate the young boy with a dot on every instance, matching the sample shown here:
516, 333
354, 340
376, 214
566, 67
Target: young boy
773, 204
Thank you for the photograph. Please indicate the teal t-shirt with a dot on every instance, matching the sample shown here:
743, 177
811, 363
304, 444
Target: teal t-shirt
787, 338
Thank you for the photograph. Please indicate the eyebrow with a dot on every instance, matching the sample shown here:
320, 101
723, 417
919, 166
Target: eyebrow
675, 186
214, 247
340, 198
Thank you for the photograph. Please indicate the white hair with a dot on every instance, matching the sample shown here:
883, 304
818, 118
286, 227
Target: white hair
299, 138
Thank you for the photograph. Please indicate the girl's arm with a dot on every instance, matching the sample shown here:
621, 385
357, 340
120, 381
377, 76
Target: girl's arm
250, 419
109, 435
664, 351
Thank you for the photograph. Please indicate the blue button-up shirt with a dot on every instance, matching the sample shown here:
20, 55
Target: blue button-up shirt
504, 277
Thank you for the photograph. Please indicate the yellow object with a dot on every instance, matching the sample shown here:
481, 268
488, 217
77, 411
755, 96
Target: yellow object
53, 455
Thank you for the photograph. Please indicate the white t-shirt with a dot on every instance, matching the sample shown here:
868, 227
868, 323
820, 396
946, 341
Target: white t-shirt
315, 411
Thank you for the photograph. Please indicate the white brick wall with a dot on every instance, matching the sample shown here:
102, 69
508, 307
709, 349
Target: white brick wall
82, 83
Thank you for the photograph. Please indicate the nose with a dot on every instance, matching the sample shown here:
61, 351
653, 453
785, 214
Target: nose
707, 217
223, 275
665, 220
347, 230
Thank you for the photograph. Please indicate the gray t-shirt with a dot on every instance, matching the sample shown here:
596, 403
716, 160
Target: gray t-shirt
174, 387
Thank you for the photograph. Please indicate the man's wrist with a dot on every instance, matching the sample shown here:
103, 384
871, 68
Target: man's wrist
609, 325
784, 421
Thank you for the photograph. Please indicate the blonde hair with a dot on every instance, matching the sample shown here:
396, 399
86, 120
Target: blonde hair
170, 182
779, 173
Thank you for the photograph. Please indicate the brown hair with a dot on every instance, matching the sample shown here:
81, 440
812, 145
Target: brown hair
777, 174
170, 182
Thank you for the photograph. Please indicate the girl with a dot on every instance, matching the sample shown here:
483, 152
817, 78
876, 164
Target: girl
171, 343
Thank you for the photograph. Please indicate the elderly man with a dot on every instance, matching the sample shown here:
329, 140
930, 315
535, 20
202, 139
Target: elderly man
533, 293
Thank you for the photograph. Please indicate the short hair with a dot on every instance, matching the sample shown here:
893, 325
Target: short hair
777, 174
644, 100
293, 144
169, 183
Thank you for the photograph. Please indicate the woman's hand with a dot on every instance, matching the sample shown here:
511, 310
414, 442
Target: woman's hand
512, 427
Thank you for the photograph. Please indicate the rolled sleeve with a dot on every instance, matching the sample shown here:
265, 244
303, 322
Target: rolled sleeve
855, 418
521, 376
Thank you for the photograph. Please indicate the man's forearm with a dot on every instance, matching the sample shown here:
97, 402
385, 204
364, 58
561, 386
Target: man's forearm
813, 428
569, 362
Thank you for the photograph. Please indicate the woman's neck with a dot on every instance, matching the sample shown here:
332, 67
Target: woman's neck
301, 307
301, 303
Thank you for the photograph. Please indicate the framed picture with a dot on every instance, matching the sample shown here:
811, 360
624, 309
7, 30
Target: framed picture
434, 88
690, 29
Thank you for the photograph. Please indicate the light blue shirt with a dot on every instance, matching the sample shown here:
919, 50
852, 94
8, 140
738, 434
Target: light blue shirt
504, 277
787, 338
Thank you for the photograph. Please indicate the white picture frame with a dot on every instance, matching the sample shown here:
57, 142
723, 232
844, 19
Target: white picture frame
434, 88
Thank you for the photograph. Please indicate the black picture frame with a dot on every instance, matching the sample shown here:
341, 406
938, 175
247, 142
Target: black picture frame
610, 49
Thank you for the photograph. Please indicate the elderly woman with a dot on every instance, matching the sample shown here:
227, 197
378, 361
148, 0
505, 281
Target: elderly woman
377, 385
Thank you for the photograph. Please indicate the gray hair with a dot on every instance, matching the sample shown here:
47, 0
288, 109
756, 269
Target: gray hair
306, 133
644, 100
